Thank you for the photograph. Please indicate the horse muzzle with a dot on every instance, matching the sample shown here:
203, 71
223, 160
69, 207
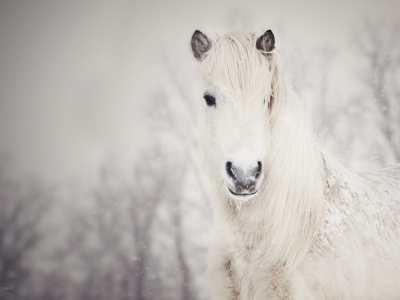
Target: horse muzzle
244, 177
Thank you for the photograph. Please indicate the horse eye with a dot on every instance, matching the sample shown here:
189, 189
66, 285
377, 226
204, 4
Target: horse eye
210, 100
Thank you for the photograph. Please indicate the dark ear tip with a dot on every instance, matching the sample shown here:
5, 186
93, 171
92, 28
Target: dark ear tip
196, 33
269, 33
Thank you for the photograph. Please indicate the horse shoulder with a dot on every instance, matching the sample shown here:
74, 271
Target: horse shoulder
360, 232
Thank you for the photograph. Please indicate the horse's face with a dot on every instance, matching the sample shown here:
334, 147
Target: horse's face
235, 133
233, 143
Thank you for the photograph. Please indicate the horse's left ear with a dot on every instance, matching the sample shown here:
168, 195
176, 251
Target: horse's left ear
266, 42
200, 44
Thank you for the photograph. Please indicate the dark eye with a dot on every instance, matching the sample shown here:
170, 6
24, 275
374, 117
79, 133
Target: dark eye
210, 100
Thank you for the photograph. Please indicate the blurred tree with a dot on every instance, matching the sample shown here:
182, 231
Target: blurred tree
22, 207
174, 111
153, 179
109, 252
378, 42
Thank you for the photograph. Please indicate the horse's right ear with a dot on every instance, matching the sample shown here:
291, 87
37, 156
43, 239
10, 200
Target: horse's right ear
200, 44
266, 42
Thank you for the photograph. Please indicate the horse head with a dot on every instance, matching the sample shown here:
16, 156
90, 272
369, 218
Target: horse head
238, 74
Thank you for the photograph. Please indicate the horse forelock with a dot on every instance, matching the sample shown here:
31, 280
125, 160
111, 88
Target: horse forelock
235, 66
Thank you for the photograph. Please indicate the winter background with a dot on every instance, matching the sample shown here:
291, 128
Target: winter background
101, 190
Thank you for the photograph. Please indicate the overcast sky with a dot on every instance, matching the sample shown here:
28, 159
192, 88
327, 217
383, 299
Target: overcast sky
75, 75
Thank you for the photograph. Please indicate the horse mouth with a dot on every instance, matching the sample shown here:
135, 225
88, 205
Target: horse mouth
241, 195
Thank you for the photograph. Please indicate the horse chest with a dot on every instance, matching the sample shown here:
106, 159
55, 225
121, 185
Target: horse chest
244, 258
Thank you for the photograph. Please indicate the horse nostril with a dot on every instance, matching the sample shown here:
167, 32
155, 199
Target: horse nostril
252, 188
229, 169
239, 189
259, 169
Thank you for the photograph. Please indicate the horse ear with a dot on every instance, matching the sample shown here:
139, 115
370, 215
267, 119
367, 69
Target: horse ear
200, 44
266, 42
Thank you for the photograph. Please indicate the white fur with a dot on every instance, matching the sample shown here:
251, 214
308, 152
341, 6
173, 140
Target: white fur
315, 230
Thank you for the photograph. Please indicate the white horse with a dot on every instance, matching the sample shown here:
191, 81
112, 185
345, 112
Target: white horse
290, 222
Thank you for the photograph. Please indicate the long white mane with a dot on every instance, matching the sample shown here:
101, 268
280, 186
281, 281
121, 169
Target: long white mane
293, 165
